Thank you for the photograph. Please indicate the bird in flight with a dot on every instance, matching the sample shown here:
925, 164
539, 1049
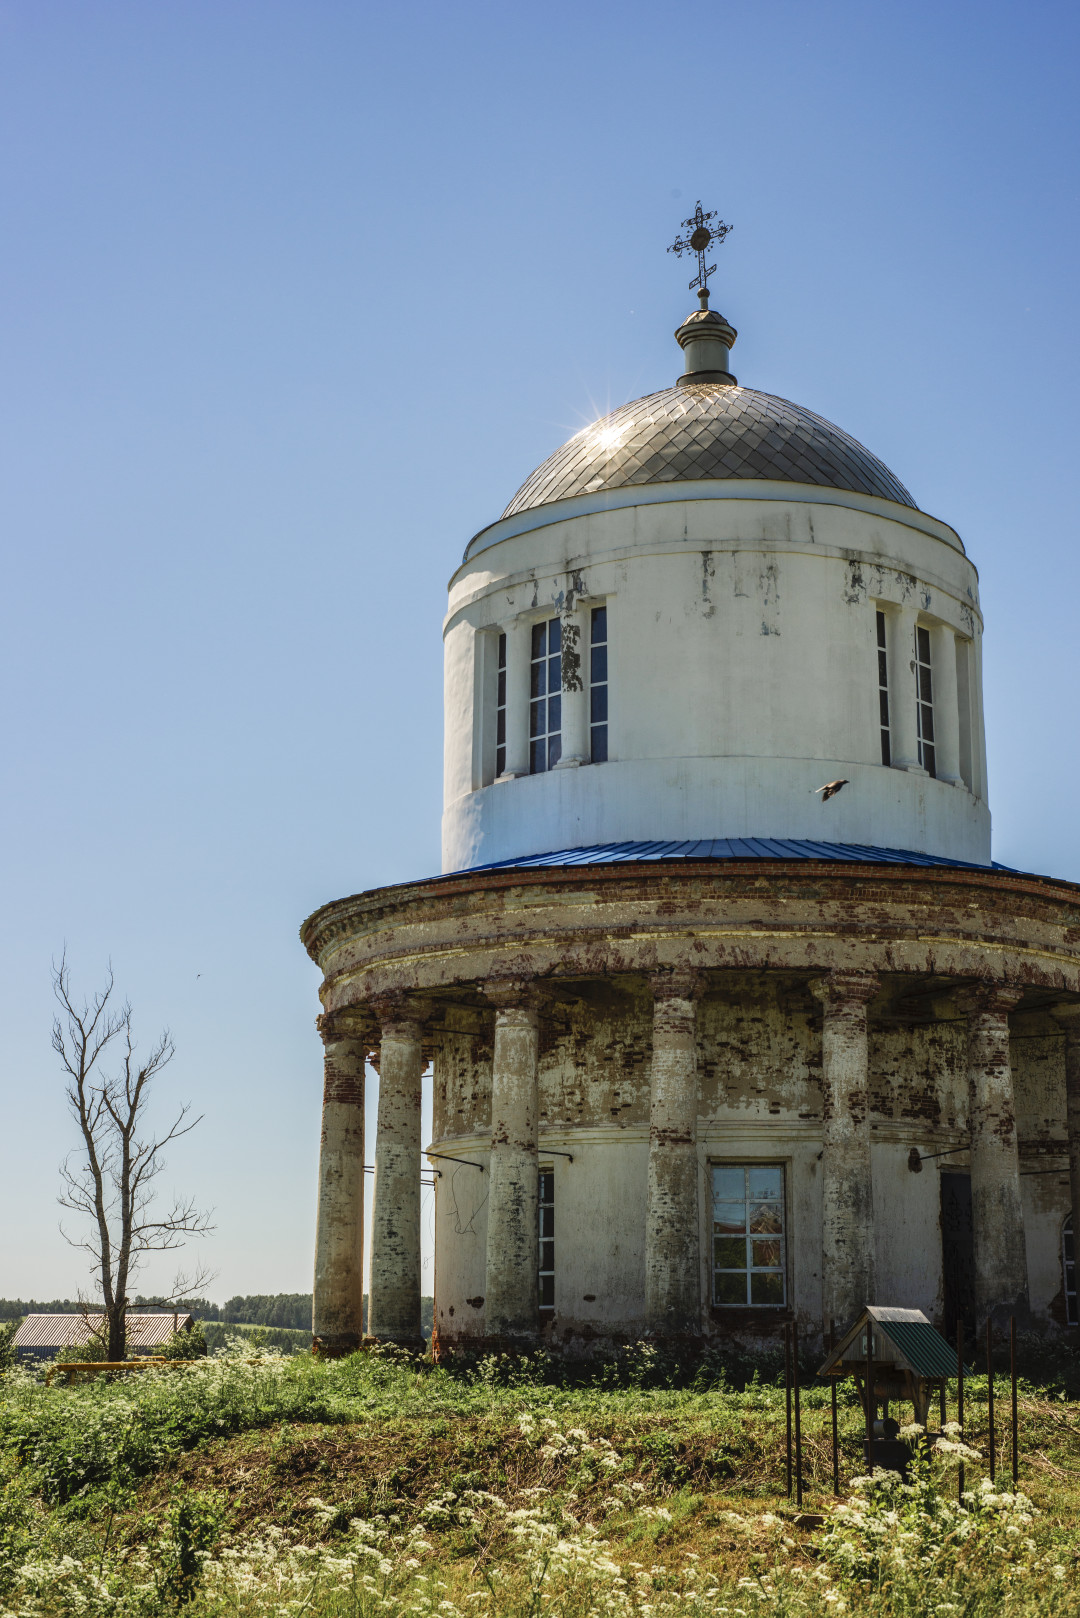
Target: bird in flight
830, 789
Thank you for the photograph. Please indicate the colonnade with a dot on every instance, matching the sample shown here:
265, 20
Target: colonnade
673, 1224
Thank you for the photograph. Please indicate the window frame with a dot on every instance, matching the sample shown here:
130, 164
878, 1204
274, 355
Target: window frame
541, 700
500, 704
884, 718
924, 699
599, 689
546, 1240
781, 1165
1072, 1302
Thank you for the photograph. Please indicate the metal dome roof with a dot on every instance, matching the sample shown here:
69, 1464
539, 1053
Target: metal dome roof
708, 430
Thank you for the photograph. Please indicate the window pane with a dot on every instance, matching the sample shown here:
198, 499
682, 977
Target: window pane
598, 704
886, 750
502, 651
729, 1184
554, 630
765, 1219
729, 1288
501, 699
547, 1219
598, 670
881, 629
539, 679
882, 669
554, 673
767, 1183
599, 744
729, 1252
923, 637
928, 761
766, 1289
537, 757
547, 1292
599, 623
537, 727
547, 1255
927, 724
554, 713
554, 750
539, 640
729, 1219
883, 703
766, 1255
925, 693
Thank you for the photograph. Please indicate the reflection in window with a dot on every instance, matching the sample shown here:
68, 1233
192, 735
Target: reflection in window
748, 1235
1068, 1262
546, 1271
500, 712
545, 705
883, 689
924, 692
598, 687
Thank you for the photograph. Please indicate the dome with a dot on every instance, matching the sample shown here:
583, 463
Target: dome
708, 430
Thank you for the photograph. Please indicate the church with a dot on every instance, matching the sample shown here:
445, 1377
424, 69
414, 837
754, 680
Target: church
731, 1018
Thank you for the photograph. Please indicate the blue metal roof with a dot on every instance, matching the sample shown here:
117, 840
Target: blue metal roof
733, 848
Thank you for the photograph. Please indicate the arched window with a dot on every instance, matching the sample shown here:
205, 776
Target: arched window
1068, 1264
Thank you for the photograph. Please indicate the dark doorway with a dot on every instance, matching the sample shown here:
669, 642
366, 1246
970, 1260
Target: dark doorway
957, 1253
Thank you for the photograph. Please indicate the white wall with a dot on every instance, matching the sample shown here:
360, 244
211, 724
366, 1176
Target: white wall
743, 674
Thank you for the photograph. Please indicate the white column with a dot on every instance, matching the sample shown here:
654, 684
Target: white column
903, 732
847, 1215
575, 689
518, 632
513, 1233
672, 1218
394, 1293
338, 1297
997, 1214
946, 704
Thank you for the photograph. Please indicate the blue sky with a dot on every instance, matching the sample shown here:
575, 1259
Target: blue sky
292, 298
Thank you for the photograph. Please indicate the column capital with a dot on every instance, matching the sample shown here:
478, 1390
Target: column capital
1067, 1017
403, 1011
333, 1026
515, 995
993, 999
840, 989
677, 983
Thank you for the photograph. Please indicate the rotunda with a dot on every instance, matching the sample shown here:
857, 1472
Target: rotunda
713, 1049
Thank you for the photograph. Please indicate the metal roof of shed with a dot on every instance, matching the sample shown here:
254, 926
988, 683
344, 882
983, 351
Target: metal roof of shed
921, 1347
733, 848
75, 1331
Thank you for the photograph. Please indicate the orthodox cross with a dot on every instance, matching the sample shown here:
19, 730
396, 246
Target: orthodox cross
701, 233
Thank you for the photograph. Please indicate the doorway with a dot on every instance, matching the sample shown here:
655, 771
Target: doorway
957, 1254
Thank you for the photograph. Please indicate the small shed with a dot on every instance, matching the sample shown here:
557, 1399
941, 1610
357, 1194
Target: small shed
907, 1357
43, 1337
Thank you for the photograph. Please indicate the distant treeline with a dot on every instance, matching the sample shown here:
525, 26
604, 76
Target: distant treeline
291, 1310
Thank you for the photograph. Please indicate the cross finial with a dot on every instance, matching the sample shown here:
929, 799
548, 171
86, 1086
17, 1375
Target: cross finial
701, 234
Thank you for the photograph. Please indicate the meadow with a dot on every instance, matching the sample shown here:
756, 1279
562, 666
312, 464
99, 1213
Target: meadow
255, 1484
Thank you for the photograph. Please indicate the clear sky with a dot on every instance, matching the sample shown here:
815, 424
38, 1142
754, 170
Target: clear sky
293, 296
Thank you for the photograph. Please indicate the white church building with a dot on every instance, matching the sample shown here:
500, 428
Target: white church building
712, 1049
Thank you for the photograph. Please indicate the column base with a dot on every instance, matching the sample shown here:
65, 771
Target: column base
335, 1345
407, 1345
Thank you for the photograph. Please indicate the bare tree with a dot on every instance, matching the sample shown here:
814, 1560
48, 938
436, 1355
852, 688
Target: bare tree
111, 1178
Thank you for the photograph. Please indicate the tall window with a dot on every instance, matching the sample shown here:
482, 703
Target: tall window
500, 712
1068, 1264
545, 707
748, 1235
598, 684
924, 691
883, 689
546, 1271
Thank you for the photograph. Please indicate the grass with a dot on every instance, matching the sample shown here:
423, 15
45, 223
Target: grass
371, 1485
